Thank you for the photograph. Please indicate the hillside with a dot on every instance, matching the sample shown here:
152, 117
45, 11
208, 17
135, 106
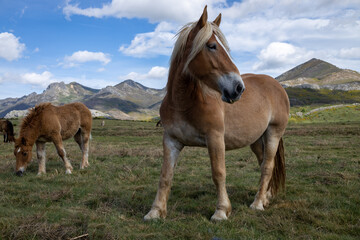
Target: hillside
318, 74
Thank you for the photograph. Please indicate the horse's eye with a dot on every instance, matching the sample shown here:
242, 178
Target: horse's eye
24, 154
212, 46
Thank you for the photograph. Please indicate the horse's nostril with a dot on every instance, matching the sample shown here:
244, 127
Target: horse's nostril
19, 173
239, 89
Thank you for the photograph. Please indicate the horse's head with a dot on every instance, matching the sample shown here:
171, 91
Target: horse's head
209, 60
23, 153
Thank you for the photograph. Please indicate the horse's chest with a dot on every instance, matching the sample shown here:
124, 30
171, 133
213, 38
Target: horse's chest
187, 134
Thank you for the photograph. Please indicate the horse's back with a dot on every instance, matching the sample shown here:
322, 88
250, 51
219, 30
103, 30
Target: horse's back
263, 103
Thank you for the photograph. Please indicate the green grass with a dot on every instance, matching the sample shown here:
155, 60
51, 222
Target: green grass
109, 199
306, 96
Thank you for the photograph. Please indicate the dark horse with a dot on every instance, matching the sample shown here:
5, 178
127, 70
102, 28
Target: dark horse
7, 128
48, 123
202, 107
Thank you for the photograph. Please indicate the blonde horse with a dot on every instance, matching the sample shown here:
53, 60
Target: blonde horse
197, 111
48, 123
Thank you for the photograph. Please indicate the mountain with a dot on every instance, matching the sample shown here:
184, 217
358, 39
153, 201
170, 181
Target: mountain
313, 82
57, 93
126, 100
318, 74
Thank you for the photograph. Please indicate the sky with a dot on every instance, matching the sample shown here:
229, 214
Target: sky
99, 43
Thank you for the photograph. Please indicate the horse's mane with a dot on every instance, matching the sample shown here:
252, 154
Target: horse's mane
33, 114
199, 41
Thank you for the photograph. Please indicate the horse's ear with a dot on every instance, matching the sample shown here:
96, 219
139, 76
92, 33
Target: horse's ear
23, 141
203, 19
217, 20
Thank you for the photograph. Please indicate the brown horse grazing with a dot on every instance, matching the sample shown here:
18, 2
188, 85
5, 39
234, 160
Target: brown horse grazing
201, 75
7, 128
48, 123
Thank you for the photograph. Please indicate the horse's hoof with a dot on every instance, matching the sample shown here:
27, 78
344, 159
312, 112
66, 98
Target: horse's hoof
219, 215
68, 171
257, 205
41, 173
152, 215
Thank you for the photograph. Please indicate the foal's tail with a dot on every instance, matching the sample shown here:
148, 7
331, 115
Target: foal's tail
279, 173
10, 131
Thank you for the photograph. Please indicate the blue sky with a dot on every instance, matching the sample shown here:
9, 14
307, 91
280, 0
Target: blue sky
100, 43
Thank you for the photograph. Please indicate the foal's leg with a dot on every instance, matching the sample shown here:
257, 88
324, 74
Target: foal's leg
82, 140
172, 149
216, 148
271, 142
5, 137
61, 151
40, 151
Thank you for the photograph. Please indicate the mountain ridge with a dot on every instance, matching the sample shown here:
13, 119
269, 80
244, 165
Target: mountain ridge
314, 81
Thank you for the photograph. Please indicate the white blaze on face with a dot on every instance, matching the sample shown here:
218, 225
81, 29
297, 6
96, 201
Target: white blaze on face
222, 45
19, 150
21, 169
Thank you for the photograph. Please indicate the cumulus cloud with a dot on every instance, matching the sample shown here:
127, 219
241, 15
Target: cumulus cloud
154, 10
10, 47
279, 55
156, 77
159, 42
350, 53
35, 79
86, 56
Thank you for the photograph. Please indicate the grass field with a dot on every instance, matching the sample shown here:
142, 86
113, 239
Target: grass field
109, 199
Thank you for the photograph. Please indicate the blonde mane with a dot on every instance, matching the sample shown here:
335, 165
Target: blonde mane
199, 41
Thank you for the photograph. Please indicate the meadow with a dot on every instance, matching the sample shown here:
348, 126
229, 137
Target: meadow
109, 199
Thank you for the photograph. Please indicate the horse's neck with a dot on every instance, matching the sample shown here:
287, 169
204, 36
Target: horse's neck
182, 89
30, 134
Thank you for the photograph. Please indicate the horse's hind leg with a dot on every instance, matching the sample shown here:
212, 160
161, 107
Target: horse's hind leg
5, 137
271, 142
62, 153
40, 151
82, 139
258, 148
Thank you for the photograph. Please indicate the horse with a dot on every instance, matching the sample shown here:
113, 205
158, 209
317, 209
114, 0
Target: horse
159, 123
48, 123
209, 104
7, 129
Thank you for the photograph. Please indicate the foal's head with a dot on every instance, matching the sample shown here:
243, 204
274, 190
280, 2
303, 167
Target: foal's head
23, 154
206, 54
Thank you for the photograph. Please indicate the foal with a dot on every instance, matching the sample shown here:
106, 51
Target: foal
48, 123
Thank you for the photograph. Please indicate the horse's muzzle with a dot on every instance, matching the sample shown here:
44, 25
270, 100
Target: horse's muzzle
19, 173
232, 87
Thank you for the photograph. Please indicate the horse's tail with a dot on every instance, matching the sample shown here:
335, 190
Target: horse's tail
10, 131
279, 173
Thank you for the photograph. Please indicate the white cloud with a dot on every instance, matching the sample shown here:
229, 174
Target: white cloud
156, 77
350, 53
281, 55
86, 56
159, 42
43, 79
154, 10
10, 46
40, 81
34, 79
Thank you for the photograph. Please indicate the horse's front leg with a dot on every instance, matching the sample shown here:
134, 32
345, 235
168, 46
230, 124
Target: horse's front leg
216, 148
171, 149
40, 151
